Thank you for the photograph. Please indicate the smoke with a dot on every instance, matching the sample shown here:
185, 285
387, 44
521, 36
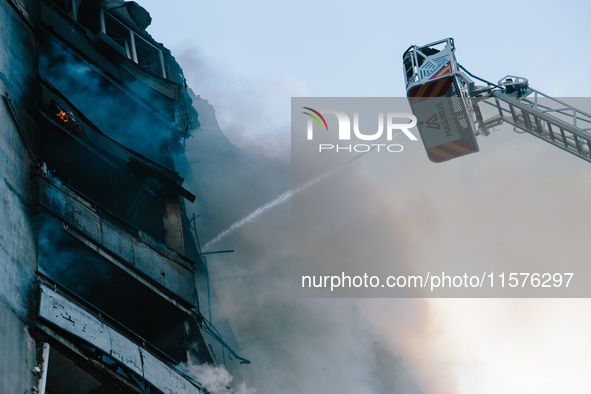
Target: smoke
257, 124
259, 211
285, 197
105, 105
489, 209
59, 257
295, 345
216, 379
515, 201
279, 200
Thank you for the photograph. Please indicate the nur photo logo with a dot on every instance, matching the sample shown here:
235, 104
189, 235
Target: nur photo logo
350, 137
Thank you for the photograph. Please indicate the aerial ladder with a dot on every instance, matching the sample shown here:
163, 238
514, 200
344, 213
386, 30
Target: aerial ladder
452, 110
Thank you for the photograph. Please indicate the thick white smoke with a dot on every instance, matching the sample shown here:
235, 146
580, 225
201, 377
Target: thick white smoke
295, 345
216, 379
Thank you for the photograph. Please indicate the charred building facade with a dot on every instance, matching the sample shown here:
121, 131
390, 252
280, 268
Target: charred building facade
103, 287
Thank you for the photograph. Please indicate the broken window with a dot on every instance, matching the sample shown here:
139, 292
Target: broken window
134, 46
118, 32
149, 58
146, 55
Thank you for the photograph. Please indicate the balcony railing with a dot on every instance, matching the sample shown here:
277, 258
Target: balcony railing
141, 51
69, 316
159, 267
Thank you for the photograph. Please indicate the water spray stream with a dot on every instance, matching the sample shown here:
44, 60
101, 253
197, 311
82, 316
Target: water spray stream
285, 197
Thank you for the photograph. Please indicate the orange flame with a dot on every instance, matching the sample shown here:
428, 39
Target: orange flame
62, 115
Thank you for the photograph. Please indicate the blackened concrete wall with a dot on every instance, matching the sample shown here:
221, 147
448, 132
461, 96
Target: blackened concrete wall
17, 238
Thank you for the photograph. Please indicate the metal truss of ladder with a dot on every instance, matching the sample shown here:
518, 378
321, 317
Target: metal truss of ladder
547, 118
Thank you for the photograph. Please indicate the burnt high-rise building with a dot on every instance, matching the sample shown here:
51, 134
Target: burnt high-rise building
103, 287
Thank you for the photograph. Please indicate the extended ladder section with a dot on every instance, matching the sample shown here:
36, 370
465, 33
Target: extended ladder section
552, 120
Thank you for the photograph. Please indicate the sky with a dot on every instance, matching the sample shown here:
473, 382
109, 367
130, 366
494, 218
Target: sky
249, 58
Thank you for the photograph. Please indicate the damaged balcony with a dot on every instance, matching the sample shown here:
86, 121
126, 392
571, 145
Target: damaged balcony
111, 229
111, 38
162, 269
110, 285
138, 191
97, 355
